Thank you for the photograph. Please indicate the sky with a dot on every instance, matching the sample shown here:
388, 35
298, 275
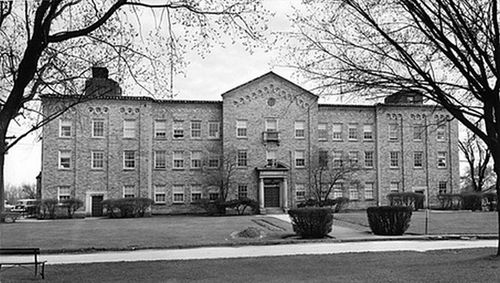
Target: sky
203, 79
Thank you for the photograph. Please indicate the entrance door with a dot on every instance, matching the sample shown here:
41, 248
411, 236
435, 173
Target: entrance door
271, 193
97, 205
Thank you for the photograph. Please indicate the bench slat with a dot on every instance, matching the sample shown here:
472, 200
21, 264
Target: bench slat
20, 251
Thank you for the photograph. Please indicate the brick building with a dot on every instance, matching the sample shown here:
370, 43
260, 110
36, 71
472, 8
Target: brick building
116, 146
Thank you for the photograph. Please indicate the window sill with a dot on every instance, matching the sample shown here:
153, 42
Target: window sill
196, 138
129, 138
300, 138
394, 168
242, 138
370, 140
213, 138
418, 168
97, 169
300, 167
98, 138
352, 140
322, 140
178, 169
160, 169
64, 169
178, 139
160, 138
393, 140
337, 140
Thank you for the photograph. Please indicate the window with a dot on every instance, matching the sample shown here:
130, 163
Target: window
322, 132
64, 128
178, 194
160, 195
368, 132
442, 187
128, 191
195, 129
337, 132
213, 161
369, 159
393, 132
160, 128
195, 193
368, 190
160, 158
97, 160
323, 158
394, 187
178, 160
353, 193
300, 192
271, 157
353, 158
352, 131
195, 159
242, 158
338, 190
64, 159
213, 130
271, 125
242, 191
300, 129
63, 192
213, 193
418, 157
441, 159
337, 158
418, 132
300, 160
441, 133
129, 159
97, 128
394, 159
241, 128
178, 130
129, 129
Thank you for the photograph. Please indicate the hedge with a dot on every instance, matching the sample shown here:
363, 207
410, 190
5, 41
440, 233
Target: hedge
337, 204
389, 220
312, 222
218, 207
468, 201
413, 200
127, 207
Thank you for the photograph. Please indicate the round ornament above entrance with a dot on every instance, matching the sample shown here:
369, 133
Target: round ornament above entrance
271, 101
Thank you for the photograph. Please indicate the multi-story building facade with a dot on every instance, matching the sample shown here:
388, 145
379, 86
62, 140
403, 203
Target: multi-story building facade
114, 146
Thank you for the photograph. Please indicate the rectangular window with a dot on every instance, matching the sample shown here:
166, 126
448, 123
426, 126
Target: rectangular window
213, 161
353, 158
394, 159
97, 128
129, 129
369, 159
160, 158
337, 159
195, 193
128, 191
300, 132
441, 133
322, 131
442, 187
418, 157
178, 194
97, 159
213, 193
242, 158
337, 132
323, 158
63, 192
160, 128
64, 128
195, 159
300, 159
441, 159
394, 187
242, 191
178, 129
352, 131
418, 132
178, 160
64, 159
369, 190
368, 132
271, 157
241, 128
300, 192
271, 125
213, 130
338, 190
160, 194
129, 159
393, 132
195, 129
353, 193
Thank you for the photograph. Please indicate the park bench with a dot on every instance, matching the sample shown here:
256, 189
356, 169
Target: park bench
39, 265
12, 215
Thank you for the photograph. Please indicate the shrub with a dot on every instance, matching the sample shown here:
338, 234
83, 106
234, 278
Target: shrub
48, 208
312, 222
338, 204
240, 205
127, 207
450, 201
341, 204
413, 200
472, 201
490, 200
142, 205
72, 205
389, 220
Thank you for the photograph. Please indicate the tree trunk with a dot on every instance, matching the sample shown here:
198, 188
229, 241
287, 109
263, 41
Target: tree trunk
2, 161
496, 166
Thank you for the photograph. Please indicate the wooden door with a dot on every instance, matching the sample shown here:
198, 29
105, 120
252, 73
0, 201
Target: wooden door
97, 205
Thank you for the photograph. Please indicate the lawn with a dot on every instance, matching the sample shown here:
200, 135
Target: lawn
441, 222
149, 232
471, 265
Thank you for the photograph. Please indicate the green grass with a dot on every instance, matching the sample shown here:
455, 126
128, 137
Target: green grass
441, 222
149, 232
471, 265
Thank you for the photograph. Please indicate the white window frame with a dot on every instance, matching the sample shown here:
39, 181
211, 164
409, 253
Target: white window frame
442, 159
95, 159
337, 159
63, 192
196, 159
300, 129
160, 129
178, 160
369, 189
338, 189
271, 157
394, 187
241, 128
160, 159
440, 187
368, 132
353, 193
65, 154
418, 132
242, 161
178, 190
212, 158
353, 158
211, 127
337, 132
128, 191
198, 191
352, 132
65, 128
323, 157
393, 132
129, 126
441, 133
271, 125
394, 159
369, 159
322, 131
196, 132
127, 161
160, 191
418, 156
300, 192
242, 191
97, 132
178, 130
300, 158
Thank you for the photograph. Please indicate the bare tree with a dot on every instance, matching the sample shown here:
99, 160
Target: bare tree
447, 50
478, 157
47, 46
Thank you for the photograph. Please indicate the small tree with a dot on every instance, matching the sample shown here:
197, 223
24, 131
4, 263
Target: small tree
72, 205
48, 207
478, 156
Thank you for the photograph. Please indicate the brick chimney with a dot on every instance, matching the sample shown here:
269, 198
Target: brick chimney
101, 85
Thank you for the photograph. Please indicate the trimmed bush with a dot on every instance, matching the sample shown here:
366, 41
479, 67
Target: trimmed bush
413, 200
472, 201
127, 207
490, 201
450, 201
389, 220
312, 222
72, 205
337, 204
240, 205
48, 208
